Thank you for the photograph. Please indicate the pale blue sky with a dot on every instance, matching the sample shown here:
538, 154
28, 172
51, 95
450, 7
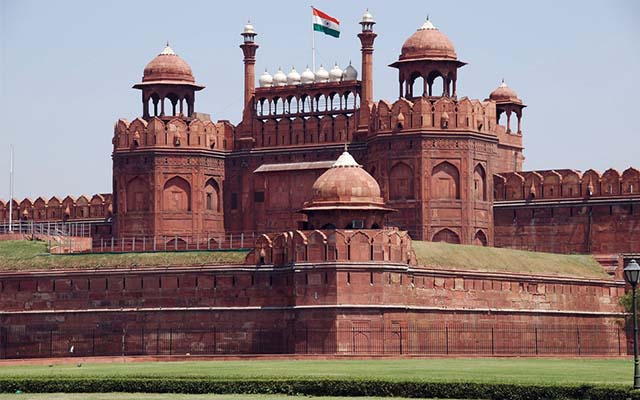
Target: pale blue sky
67, 67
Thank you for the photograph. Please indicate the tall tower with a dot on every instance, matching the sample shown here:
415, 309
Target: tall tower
367, 37
249, 48
432, 153
168, 166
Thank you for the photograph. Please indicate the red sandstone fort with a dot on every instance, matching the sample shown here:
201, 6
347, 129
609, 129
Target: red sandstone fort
334, 185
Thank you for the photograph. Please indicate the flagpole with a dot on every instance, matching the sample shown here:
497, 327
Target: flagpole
313, 44
11, 190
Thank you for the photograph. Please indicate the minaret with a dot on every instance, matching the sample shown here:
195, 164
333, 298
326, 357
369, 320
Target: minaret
367, 37
249, 48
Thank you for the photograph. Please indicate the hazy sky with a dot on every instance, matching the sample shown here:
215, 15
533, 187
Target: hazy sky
67, 67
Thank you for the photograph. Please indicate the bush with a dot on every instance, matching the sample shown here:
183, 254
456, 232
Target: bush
320, 387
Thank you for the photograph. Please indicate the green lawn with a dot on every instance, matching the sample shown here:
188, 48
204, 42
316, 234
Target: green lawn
168, 396
492, 370
493, 259
29, 255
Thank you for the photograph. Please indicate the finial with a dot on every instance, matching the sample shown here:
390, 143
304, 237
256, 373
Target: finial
167, 43
345, 144
427, 17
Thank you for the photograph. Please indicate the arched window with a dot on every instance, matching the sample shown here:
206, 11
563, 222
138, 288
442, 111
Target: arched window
401, 182
417, 86
177, 195
136, 195
447, 236
212, 196
445, 181
479, 183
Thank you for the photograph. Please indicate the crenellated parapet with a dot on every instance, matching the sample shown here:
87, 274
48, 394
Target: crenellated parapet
82, 208
566, 183
176, 133
441, 113
339, 245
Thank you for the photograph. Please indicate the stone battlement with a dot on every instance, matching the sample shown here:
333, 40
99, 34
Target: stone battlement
175, 133
96, 207
565, 183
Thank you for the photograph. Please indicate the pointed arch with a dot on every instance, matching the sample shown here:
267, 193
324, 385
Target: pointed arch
480, 239
212, 195
446, 235
176, 195
445, 181
401, 182
137, 195
480, 183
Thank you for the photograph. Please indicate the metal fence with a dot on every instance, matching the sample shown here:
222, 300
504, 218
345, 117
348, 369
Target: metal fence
442, 340
50, 228
213, 241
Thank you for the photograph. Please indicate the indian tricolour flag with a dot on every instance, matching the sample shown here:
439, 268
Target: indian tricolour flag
325, 23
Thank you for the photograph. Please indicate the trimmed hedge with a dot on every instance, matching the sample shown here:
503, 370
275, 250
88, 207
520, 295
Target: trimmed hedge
320, 387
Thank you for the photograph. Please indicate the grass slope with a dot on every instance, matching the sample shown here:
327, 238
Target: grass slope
169, 396
538, 371
29, 255
493, 259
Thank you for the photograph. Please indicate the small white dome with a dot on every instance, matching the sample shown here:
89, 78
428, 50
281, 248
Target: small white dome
427, 26
266, 80
335, 75
367, 17
293, 77
350, 73
322, 75
307, 76
249, 29
279, 78
345, 160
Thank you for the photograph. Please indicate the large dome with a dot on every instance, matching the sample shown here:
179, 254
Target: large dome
428, 43
345, 185
168, 67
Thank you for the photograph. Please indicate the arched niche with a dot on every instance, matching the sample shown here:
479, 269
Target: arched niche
446, 235
212, 196
176, 195
480, 183
445, 181
401, 182
480, 239
136, 195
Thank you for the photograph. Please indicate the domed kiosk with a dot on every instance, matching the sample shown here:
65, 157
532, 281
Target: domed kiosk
507, 102
346, 196
168, 77
428, 54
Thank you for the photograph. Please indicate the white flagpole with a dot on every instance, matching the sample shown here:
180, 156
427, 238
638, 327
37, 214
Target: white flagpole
11, 191
313, 44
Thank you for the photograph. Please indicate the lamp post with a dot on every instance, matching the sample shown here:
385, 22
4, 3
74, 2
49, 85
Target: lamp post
631, 275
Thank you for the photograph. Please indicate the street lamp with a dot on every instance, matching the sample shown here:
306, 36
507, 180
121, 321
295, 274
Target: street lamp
631, 275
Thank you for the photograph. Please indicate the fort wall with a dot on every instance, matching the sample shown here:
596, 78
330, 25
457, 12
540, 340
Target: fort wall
564, 211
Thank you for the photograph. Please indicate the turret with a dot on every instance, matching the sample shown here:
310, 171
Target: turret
367, 37
249, 48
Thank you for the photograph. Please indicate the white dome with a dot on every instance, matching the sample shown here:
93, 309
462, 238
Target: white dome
367, 17
307, 76
249, 29
293, 77
279, 78
350, 73
322, 75
266, 80
335, 75
345, 160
